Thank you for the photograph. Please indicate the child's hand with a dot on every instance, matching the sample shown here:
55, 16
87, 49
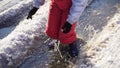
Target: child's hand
66, 27
32, 12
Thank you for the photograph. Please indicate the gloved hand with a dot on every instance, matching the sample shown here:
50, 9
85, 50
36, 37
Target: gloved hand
32, 12
66, 27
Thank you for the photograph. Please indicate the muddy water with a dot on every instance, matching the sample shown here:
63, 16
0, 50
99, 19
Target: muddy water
65, 61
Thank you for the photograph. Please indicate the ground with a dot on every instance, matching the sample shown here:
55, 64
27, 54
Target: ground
98, 27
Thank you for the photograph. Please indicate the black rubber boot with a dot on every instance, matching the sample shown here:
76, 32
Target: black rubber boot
73, 50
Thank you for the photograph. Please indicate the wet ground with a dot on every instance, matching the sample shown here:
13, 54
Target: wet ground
97, 15
60, 57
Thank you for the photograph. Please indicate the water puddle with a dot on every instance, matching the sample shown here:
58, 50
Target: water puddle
65, 61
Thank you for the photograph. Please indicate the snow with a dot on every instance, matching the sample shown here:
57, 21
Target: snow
108, 44
95, 18
14, 13
102, 50
5, 31
16, 45
7, 4
11, 13
99, 26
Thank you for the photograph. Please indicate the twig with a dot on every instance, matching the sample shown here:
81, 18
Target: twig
57, 46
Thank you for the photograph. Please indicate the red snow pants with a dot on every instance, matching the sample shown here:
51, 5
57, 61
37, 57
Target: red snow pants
56, 19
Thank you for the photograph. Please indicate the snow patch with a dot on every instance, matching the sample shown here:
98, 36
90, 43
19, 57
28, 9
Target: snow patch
22, 40
14, 14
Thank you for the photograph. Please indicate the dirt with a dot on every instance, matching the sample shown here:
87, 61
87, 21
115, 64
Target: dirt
65, 61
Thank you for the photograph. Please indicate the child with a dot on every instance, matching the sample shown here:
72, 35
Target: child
62, 19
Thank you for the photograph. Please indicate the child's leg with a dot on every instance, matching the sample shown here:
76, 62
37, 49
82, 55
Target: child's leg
54, 19
69, 37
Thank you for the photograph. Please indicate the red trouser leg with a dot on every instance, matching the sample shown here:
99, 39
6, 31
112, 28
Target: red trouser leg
56, 20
